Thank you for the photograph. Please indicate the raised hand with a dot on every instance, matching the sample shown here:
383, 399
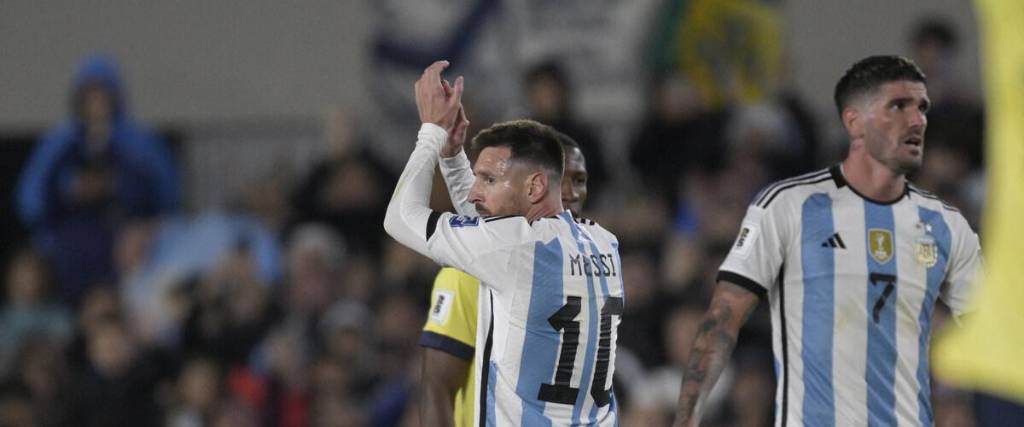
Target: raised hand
456, 135
434, 103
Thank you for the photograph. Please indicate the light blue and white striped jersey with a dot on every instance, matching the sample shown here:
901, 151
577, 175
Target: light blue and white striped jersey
852, 284
551, 304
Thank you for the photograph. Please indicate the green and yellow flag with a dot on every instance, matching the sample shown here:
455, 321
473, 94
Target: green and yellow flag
987, 351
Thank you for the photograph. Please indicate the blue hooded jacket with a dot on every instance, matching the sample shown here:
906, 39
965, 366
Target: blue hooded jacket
146, 182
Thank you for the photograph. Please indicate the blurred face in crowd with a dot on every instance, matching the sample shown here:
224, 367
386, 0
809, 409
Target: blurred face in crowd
198, 384
111, 349
99, 305
97, 104
545, 96
574, 180
500, 184
25, 279
892, 121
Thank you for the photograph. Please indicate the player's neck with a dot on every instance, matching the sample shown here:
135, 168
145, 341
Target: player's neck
873, 179
547, 207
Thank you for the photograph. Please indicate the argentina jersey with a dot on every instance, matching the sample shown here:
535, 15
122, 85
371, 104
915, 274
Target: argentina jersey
852, 284
551, 302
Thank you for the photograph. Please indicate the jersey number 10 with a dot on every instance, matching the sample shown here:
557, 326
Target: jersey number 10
564, 320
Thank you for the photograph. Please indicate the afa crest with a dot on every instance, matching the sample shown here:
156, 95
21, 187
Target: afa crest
880, 245
926, 250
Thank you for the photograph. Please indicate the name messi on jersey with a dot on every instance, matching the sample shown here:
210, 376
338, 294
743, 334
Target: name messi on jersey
592, 265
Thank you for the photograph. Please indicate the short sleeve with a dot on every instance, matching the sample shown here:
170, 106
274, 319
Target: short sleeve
966, 268
479, 246
757, 254
451, 322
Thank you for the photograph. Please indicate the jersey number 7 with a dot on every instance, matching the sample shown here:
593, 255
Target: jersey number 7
564, 320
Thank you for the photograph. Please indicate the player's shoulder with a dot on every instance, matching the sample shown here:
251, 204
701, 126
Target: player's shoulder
929, 199
594, 227
450, 277
795, 188
933, 202
501, 228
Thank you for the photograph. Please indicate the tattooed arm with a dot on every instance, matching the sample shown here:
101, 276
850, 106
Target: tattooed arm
731, 305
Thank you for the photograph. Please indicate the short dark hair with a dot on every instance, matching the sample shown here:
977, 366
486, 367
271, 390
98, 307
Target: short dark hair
566, 140
869, 73
529, 141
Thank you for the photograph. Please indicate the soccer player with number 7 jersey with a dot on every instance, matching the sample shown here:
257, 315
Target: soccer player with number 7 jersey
852, 261
545, 349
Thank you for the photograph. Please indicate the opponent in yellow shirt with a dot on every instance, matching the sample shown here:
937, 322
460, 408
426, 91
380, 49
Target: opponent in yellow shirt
986, 351
449, 335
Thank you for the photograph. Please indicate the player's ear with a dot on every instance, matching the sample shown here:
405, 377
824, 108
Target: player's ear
852, 122
536, 186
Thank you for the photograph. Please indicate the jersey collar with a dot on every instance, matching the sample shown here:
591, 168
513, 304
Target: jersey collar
840, 180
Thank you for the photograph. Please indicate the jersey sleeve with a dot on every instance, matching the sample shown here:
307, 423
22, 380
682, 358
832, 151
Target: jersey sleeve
451, 323
458, 177
479, 246
757, 255
965, 268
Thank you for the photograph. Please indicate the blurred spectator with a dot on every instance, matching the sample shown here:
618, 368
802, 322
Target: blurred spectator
549, 96
28, 310
955, 118
347, 332
158, 259
15, 408
678, 136
118, 387
230, 310
640, 330
348, 189
763, 142
399, 317
100, 304
286, 354
197, 395
661, 389
88, 175
42, 372
956, 124
315, 260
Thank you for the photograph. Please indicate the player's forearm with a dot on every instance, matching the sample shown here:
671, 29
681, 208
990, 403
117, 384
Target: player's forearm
436, 406
458, 176
409, 208
709, 356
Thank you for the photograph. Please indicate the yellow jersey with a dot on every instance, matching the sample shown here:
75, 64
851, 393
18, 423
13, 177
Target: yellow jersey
451, 328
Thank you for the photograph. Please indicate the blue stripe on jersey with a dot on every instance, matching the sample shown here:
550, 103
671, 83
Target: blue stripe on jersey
540, 348
604, 293
881, 308
492, 378
936, 273
818, 310
588, 358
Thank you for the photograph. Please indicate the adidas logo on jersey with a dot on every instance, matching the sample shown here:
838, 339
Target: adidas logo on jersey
834, 241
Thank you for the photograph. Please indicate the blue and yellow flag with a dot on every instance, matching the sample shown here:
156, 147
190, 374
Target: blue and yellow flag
987, 351
730, 49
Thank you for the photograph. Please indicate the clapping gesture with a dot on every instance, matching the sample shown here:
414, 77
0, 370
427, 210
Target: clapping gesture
440, 103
